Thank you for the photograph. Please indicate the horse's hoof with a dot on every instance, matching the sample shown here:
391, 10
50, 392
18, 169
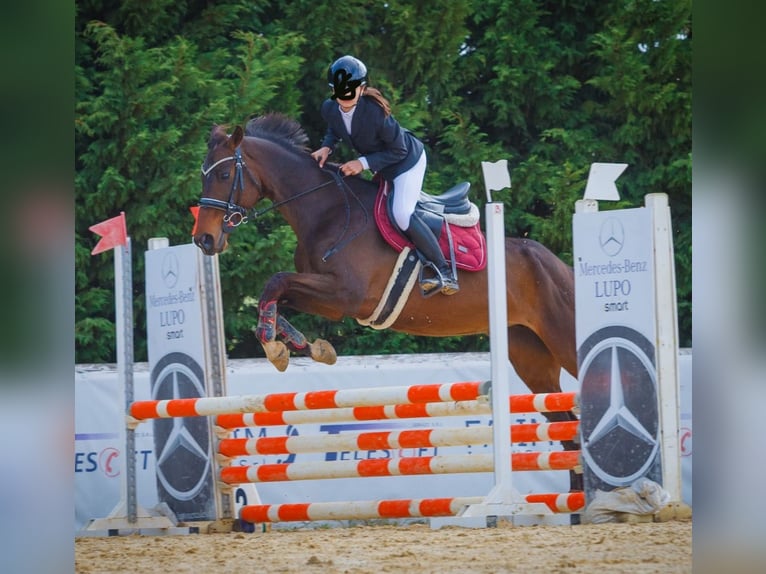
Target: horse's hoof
323, 352
277, 353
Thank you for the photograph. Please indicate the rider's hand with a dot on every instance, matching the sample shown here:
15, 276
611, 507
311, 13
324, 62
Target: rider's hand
353, 167
321, 155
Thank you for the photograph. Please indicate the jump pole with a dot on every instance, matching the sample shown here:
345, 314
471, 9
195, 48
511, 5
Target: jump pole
325, 399
387, 509
398, 439
543, 402
408, 466
667, 343
503, 500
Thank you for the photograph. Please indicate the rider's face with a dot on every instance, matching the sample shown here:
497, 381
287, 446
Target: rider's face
352, 102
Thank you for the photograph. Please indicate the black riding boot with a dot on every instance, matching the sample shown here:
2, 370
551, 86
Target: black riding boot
425, 242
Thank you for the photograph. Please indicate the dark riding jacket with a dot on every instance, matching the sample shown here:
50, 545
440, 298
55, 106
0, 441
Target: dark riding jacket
389, 148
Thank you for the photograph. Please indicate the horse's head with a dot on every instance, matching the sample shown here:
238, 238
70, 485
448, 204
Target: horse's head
229, 190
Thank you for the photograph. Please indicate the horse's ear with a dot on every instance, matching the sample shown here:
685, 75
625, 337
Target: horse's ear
236, 137
214, 130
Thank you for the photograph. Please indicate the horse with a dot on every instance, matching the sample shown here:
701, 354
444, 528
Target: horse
343, 265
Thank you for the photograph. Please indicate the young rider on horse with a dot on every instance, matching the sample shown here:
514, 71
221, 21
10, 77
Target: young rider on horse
362, 118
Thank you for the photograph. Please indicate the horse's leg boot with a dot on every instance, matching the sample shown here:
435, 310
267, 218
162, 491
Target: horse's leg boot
427, 244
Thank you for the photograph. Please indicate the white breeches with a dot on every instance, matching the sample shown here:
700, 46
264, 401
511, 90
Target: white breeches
407, 188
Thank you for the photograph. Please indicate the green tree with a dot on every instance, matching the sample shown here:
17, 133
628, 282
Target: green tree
550, 86
645, 60
143, 116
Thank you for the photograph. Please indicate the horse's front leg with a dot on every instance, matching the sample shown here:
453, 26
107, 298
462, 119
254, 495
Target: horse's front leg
291, 287
320, 350
266, 333
272, 324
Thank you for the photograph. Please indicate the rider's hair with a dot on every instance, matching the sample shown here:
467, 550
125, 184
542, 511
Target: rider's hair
375, 94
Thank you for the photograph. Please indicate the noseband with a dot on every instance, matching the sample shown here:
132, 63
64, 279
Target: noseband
234, 214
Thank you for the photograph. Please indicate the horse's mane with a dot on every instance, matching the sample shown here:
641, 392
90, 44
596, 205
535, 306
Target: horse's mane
279, 129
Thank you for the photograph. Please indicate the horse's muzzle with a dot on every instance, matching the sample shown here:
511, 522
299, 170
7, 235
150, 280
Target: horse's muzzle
207, 244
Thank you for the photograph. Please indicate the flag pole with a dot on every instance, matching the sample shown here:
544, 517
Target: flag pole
123, 302
126, 515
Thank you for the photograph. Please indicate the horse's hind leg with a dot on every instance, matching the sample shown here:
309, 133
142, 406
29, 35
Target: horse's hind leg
536, 366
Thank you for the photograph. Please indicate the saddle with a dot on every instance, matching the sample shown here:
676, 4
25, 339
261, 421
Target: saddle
451, 216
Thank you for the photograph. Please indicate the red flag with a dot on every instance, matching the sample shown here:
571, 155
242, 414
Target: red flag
195, 212
113, 232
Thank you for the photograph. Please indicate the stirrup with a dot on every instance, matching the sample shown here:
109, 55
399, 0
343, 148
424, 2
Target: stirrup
430, 284
449, 286
439, 283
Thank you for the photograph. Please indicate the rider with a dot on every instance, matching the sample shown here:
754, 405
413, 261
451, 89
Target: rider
362, 118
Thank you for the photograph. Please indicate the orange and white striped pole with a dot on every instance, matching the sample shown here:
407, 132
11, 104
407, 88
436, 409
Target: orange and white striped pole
378, 440
544, 402
404, 508
555, 460
207, 406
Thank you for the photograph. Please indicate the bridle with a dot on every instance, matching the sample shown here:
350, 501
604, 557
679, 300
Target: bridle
235, 214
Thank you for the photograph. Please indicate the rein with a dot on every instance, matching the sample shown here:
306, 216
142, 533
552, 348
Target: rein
337, 179
341, 243
235, 215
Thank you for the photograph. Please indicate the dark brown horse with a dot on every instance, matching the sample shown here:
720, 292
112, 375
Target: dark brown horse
343, 265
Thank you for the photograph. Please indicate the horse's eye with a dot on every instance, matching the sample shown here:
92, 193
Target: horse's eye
223, 175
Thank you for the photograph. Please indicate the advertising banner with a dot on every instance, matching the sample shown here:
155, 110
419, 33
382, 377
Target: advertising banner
177, 361
616, 334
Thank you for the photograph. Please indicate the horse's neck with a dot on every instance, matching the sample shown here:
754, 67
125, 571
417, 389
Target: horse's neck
336, 206
312, 201
308, 196
281, 174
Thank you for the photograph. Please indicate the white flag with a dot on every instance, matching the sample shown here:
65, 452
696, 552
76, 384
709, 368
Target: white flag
601, 181
496, 175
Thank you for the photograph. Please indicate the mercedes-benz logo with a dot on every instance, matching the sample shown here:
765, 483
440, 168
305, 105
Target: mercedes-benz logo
170, 269
619, 414
611, 237
182, 444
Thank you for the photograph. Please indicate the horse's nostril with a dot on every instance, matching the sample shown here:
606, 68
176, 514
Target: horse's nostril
205, 242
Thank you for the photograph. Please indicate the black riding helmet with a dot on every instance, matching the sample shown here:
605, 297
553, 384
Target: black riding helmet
345, 75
